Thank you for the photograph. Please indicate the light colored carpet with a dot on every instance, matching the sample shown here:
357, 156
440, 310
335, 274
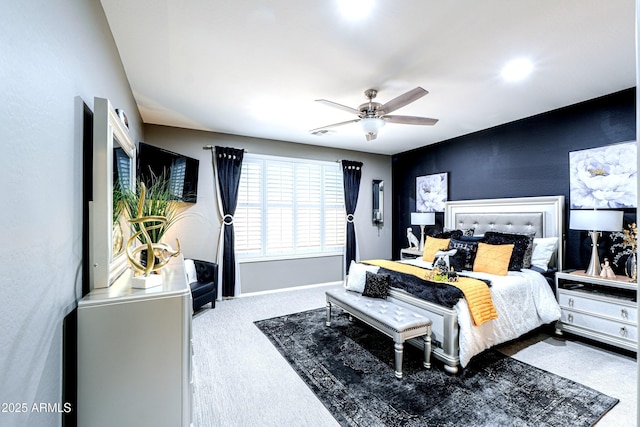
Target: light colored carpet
242, 380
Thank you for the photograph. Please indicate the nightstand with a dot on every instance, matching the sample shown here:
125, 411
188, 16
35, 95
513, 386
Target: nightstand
604, 310
410, 253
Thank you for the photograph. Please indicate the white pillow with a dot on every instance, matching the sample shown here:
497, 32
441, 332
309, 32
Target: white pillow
190, 271
357, 276
543, 250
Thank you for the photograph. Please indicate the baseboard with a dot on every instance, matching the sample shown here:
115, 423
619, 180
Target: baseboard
293, 288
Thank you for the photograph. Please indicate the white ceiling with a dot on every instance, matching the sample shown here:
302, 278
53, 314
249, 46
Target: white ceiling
254, 68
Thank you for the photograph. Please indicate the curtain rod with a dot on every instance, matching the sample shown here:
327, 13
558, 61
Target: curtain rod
211, 147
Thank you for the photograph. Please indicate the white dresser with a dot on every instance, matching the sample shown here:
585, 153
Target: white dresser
604, 310
134, 354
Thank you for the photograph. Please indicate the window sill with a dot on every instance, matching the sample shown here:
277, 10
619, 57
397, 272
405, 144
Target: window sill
289, 257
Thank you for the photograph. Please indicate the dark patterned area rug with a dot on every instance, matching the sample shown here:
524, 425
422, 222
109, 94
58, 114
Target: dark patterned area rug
349, 366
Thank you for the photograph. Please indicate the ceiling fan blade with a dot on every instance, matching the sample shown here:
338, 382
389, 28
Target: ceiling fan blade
339, 106
404, 99
370, 136
334, 125
410, 120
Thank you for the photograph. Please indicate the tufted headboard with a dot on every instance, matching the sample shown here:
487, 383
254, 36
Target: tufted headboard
544, 215
504, 222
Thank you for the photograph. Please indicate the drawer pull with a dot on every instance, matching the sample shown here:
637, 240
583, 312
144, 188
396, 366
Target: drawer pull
623, 331
570, 318
624, 313
570, 302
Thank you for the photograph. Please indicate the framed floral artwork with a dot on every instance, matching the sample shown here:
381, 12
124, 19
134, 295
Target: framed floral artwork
431, 192
604, 177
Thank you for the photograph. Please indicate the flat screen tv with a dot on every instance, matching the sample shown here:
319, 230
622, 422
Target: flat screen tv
181, 170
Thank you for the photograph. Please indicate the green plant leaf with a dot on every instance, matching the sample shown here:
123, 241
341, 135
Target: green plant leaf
158, 201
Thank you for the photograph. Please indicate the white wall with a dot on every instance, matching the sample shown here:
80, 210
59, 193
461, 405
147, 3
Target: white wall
52, 51
199, 231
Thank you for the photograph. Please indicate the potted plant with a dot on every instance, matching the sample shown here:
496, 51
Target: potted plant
152, 211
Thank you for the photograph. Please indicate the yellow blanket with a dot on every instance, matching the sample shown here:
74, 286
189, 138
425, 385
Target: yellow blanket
475, 291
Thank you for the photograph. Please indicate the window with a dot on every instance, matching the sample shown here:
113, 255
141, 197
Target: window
177, 177
289, 207
121, 167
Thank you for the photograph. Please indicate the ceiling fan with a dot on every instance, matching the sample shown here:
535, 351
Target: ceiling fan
372, 116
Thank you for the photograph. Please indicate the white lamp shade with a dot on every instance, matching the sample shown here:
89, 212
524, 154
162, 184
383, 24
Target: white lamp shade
371, 124
423, 218
596, 220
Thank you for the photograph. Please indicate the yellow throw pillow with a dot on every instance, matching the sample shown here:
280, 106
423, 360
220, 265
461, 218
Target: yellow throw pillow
493, 259
433, 245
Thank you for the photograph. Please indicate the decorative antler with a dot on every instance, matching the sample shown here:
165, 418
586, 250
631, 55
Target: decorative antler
162, 251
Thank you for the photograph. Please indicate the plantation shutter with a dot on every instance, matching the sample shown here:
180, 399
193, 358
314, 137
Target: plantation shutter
289, 207
308, 206
280, 193
334, 213
249, 210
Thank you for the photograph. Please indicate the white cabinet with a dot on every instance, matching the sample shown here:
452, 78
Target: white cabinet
601, 309
134, 354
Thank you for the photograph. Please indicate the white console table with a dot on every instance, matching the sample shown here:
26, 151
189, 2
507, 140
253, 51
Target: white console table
134, 354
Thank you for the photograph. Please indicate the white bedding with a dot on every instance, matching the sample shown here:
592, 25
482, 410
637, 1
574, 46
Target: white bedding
523, 300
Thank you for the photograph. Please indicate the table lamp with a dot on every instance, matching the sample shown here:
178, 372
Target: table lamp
595, 221
422, 219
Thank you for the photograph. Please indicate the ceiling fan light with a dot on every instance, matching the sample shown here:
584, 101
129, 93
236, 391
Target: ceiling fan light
371, 124
355, 10
517, 69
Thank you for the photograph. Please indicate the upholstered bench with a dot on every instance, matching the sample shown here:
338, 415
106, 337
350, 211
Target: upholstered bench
393, 320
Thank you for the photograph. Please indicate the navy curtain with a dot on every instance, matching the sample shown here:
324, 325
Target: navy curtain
228, 163
351, 174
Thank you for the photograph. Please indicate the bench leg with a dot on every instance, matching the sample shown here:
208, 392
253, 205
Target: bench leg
328, 321
398, 348
427, 350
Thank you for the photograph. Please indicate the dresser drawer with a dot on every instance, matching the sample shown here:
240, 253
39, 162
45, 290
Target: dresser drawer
597, 324
602, 306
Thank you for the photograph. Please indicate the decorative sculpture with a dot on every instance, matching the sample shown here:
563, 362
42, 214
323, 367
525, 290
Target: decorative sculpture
158, 254
442, 271
607, 271
414, 243
442, 259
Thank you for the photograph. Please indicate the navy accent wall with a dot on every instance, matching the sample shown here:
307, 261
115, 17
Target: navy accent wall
528, 157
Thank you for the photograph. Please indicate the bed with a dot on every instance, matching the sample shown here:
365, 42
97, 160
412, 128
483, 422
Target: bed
524, 300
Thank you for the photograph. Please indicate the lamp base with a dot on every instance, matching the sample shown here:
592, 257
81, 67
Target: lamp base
594, 264
421, 238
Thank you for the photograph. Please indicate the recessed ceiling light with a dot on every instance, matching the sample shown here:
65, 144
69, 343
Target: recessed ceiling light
355, 9
517, 69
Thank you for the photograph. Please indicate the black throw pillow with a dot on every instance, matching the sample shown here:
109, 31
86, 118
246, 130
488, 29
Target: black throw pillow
448, 234
376, 285
463, 259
